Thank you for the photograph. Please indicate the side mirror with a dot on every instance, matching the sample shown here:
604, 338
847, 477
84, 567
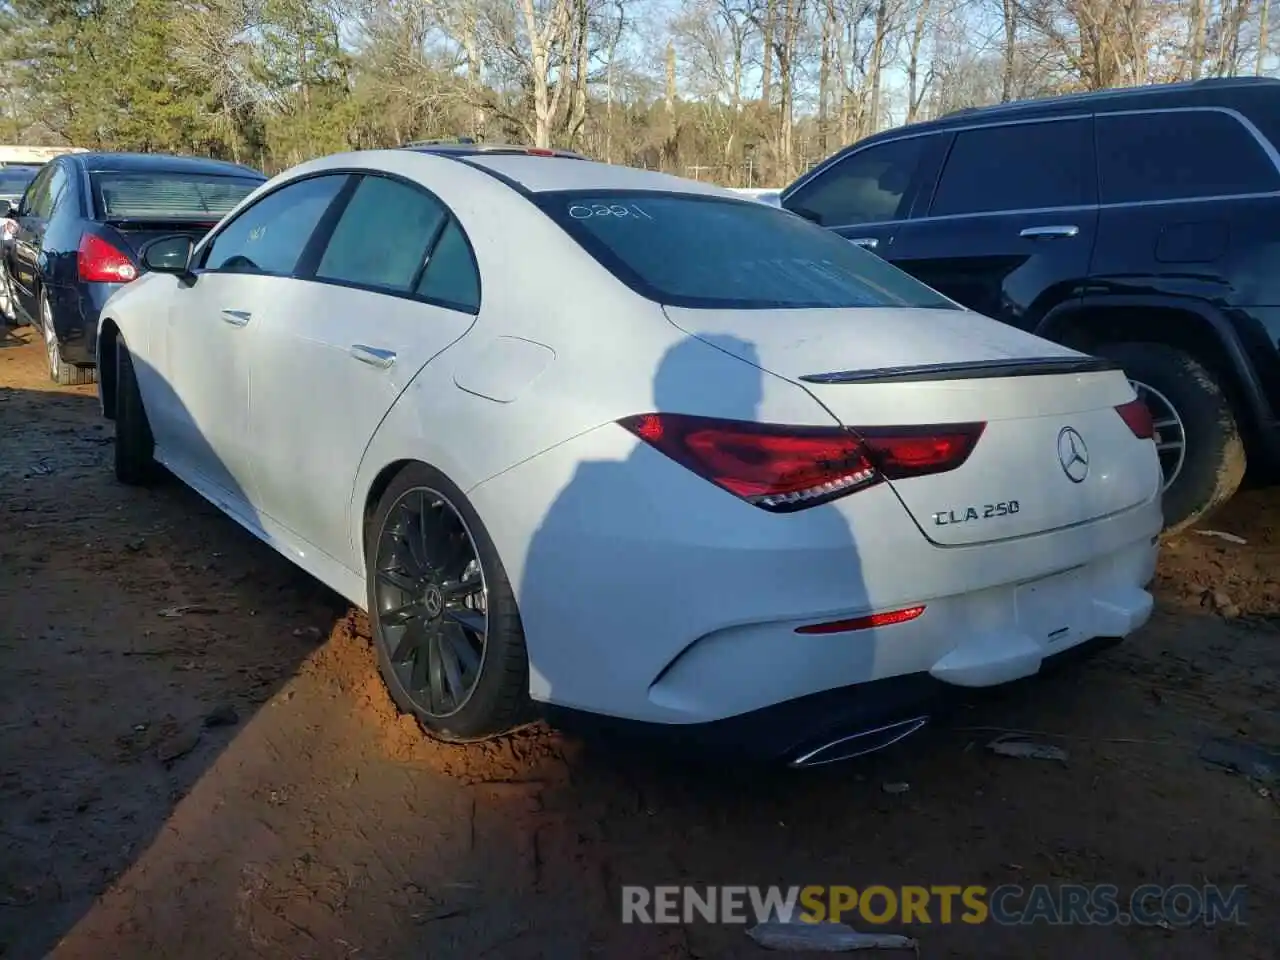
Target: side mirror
7, 209
169, 255
806, 214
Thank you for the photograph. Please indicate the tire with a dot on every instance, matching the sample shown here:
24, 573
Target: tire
1213, 461
135, 446
61, 372
498, 701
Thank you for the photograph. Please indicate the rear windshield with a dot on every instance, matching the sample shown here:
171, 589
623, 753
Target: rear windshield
687, 250
14, 180
167, 196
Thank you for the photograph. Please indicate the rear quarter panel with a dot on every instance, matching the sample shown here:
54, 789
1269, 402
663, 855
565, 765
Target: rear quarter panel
589, 353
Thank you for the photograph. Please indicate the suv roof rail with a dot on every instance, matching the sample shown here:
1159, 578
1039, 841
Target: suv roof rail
1110, 93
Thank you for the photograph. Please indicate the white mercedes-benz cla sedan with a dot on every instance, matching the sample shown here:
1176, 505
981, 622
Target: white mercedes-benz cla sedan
599, 443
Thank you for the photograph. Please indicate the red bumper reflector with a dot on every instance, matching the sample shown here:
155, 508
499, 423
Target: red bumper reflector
1138, 418
863, 623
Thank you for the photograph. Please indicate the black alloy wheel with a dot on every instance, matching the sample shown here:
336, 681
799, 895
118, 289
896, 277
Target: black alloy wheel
431, 602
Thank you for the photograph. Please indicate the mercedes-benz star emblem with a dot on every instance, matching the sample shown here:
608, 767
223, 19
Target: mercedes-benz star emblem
1073, 455
433, 601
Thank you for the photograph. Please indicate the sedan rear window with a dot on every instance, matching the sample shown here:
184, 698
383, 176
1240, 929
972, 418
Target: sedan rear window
14, 180
689, 250
167, 196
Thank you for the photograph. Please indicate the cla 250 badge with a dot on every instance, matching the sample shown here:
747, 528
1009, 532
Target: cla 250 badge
944, 518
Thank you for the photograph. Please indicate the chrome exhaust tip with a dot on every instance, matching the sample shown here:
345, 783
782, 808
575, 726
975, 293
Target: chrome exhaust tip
858, 744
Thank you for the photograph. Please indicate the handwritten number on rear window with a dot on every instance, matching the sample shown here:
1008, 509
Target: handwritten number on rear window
585, 211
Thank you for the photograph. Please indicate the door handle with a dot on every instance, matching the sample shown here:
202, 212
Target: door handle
867, 243
1056, 232
237, 318
374, 356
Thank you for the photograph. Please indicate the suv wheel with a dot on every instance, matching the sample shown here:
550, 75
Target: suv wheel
1201, 451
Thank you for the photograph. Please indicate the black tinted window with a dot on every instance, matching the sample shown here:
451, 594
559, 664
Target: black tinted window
866, 187
693, 251
161, 196
1179, 154
1025, 166
451, 274
383, 236
59, 181
37, 188
39, 198
269, 236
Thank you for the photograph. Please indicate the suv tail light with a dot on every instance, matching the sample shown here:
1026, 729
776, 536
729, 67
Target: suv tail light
1137, 416
101, 262
783, 469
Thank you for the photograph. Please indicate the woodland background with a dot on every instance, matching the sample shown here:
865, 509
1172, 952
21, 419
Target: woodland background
743, 92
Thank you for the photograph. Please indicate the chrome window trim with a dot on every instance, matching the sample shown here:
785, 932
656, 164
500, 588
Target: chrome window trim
1268, 148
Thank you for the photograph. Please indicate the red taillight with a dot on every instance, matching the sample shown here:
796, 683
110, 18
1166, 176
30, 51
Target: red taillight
101, 262
864, 623
540, 152
901, 452
783, 468
1138, 418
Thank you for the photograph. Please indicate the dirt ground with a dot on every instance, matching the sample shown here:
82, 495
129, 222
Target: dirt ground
233, 782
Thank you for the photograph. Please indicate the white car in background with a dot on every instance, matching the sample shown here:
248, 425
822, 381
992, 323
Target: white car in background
607, 444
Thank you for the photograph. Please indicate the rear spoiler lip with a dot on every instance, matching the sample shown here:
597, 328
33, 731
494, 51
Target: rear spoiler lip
968, 370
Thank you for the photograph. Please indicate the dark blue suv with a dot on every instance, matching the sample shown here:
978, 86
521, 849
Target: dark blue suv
80, 231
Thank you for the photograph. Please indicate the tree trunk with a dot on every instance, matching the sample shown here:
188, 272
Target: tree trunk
915, 93
579, 118
1197, 18
475, 65
1010, 9
1262, 37
766, 70
824, 79
878, 45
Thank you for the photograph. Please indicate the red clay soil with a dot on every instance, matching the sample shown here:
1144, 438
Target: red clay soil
233, 781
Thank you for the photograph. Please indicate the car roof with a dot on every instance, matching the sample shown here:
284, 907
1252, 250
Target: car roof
536, 174
1149, 96
161, 163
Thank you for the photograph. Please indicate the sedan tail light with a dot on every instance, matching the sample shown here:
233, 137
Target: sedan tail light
1137, 416
783, 469
99, 261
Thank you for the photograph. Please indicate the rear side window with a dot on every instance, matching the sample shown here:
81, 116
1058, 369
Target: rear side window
1025, 166
1179, 155
38, 202
383, 236
689, 250
451, 276
163, 196
866, 187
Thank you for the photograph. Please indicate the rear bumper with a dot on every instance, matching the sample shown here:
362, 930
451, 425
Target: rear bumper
808, 731
648, 594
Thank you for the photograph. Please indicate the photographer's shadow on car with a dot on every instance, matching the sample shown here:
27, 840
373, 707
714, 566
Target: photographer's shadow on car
680, 603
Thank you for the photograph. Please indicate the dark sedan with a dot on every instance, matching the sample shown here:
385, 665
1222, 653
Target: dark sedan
82, 227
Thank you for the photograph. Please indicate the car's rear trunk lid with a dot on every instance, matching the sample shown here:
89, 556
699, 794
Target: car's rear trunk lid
1054, 452
137, 233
